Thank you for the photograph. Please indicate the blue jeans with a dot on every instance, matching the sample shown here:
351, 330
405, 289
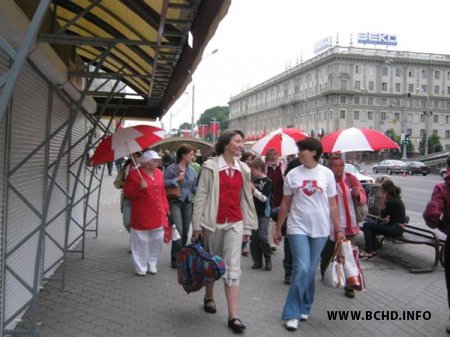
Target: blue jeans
305, 258
181, 215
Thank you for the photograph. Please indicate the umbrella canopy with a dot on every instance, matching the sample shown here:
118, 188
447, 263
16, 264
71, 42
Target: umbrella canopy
354, 139
284, 143
126, 141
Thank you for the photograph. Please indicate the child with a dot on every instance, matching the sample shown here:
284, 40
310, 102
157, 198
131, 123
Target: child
262, 190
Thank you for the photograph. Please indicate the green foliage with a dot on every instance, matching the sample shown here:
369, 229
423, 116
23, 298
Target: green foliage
185, 126
219, 113
397, 138
434, 144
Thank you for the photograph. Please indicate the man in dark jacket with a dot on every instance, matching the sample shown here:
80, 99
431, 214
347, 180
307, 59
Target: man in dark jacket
437, 215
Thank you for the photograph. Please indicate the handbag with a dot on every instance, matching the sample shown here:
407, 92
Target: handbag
361, 210
350, 268
173, 192
334, 273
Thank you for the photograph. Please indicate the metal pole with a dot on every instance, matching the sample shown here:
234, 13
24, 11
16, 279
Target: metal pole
193, 116
427, 114
405, 145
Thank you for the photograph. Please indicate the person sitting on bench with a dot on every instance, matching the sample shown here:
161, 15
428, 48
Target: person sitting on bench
393, 218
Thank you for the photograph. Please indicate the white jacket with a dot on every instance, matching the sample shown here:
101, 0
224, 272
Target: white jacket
206, 203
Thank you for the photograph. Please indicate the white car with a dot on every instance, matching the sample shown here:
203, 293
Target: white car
356, 171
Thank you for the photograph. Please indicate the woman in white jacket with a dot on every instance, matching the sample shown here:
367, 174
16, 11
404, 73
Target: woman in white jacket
224, 212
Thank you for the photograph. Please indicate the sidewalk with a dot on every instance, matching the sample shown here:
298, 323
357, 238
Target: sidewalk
104, 298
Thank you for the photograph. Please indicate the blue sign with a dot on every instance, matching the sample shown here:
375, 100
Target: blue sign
377, 38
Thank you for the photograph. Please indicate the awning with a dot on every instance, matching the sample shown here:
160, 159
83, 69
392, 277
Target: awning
142, 43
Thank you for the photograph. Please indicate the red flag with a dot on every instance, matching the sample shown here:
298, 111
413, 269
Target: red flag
202, 130
214, 128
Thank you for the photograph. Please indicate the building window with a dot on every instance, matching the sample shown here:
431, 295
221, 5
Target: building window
384, 86
397, 87
410, 87
356, 115
398, 72
383, 116
447, 134
383, 101
397, 116
448, 90
436, 89
357, 84
356, 99
342, 99
343, 85
422, 133
447, 119
409, 132
409, 117
370, 101
422, 118
424, 73
357, 69
435, 132
370, 115
424, 88
435, 118
342, 114
371, 85
423, 104
371, 70
384, 71
410, 73
448, 105
437, 75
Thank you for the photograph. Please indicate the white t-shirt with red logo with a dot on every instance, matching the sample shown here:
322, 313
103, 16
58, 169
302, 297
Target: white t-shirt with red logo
310, 211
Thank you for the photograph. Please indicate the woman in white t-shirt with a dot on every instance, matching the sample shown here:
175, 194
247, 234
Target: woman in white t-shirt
309, 195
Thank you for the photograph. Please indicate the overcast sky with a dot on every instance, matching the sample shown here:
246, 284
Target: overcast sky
258, 38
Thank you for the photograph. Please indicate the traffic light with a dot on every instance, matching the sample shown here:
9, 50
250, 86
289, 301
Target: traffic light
405, 138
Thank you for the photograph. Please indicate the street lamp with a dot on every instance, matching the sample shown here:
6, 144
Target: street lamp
193, 97
403, 126
427, 113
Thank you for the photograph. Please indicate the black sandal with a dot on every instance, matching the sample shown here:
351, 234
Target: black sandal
209, 305
236, 325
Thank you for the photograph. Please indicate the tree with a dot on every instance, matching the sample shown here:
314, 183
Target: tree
434, 144
185, 126
397, 138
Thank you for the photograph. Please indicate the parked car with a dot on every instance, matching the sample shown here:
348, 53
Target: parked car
359, 174
443, 172
417, 167
390, 166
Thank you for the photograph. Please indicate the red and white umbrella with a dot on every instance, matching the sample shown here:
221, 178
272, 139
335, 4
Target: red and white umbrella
284, 143
126, 141
354, 139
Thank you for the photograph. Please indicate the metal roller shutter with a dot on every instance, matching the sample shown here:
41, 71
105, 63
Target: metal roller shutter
26, 189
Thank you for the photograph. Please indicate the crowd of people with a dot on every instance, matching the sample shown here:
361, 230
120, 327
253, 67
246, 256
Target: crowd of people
239, 204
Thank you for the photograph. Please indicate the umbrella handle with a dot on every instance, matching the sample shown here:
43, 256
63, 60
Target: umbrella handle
135, 164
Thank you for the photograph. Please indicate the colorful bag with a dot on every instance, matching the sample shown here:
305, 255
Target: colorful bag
196, 267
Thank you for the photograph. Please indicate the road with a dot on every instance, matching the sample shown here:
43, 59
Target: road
416, 189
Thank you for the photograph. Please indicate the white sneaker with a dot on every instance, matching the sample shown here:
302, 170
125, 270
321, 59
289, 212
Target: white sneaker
152, 268
304, 317
292, 324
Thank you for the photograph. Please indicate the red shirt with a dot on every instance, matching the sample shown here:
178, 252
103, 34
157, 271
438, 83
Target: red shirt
229, 197
149, 206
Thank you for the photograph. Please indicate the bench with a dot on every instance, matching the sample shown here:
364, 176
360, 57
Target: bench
418, 236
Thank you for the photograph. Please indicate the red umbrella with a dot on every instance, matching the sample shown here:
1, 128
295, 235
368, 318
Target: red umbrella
284, 143
354, 139
126, 141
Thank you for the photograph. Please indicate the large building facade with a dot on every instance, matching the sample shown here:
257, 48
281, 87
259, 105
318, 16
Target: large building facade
353, 87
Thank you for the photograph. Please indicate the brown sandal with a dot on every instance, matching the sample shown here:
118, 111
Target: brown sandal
209, 305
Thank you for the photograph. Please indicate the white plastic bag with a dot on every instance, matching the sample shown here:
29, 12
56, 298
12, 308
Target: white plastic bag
175, 234
350, 268
334, 273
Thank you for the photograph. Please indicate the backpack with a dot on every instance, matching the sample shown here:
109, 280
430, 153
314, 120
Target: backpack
196, 267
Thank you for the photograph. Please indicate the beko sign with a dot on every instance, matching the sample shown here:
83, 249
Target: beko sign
377, 38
